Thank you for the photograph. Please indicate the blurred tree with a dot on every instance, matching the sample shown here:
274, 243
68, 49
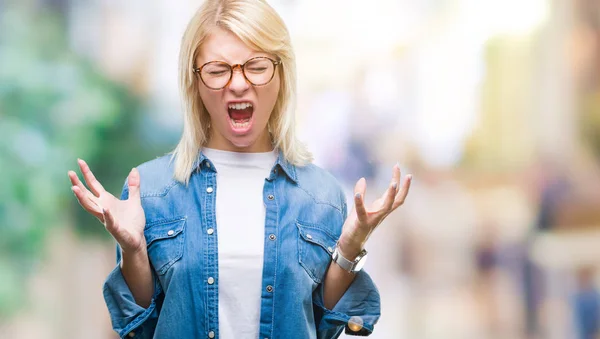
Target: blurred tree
54, 107
587, 14
590, 122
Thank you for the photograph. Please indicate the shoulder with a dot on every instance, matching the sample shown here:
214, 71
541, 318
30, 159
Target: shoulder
156, 177
321, 185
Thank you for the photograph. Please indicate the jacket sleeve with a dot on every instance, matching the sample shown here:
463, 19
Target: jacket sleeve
129, 319
356, 313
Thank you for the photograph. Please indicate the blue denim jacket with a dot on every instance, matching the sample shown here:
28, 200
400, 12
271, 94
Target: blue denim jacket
305, 211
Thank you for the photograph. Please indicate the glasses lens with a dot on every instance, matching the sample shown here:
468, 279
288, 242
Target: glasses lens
216, 74
259, 71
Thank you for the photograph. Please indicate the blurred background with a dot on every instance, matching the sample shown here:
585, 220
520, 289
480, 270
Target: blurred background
492, 105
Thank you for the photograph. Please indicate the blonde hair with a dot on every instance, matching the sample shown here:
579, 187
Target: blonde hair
259, 27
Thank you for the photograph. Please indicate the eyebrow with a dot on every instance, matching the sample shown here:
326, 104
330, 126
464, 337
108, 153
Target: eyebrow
253, 55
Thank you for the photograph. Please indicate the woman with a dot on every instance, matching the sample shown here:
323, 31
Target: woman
236, 234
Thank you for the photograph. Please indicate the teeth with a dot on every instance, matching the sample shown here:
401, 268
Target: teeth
243, 123
242, 105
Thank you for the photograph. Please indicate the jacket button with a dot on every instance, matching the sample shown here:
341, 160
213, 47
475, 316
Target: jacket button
211, 334
211, 280
269, 288
170, 233
270, 197
272, 236
209, 190
308, 236
210, 231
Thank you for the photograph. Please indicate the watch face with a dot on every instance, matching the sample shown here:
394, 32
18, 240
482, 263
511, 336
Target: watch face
360, 263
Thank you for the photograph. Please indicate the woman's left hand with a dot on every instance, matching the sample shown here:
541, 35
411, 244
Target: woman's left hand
363, 220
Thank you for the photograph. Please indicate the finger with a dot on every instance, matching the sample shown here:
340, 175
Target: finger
133, 182
359, 193
396, 177
389, 194
388, 199
87, 196
86, 202
76, 182
110, 224
75, 179
403, 192
90, 179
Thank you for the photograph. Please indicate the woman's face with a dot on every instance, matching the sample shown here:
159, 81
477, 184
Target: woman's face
239, 113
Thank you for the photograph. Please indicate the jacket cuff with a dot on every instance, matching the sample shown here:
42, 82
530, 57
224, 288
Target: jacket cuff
356, 312
129, 319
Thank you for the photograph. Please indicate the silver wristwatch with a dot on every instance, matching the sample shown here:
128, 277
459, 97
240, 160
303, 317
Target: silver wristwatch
348, 265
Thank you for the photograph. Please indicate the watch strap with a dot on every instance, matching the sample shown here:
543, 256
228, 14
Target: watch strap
344, 263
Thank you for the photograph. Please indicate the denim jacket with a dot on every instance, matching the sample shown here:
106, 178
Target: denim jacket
305, 211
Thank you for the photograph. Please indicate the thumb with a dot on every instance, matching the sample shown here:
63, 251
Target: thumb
133, 182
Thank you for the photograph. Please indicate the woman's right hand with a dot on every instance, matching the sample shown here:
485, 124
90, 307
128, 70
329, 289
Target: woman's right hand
124, 219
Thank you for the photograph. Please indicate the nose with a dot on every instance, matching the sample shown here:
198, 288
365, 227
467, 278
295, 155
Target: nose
238, 83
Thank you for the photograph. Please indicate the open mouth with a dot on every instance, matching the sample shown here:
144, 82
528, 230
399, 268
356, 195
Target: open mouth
240, 114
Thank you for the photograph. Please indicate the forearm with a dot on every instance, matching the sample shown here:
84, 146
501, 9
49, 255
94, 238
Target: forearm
337, 281
136, 270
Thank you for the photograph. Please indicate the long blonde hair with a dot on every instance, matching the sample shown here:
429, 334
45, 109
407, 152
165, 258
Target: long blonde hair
259, 27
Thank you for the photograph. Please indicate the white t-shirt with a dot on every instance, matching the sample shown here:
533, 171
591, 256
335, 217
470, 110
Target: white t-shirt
240, 231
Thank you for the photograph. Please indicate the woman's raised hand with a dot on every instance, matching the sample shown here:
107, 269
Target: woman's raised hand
364, 219
123, 219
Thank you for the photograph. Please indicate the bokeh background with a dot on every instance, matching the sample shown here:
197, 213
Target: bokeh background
492, 105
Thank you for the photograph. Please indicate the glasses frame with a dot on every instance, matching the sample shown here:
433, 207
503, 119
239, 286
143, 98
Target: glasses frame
232, 68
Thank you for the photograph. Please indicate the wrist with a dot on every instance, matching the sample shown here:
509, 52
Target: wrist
135, 252
349, 250
350, 260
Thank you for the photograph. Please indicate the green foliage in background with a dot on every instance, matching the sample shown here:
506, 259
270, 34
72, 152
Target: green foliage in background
54, 108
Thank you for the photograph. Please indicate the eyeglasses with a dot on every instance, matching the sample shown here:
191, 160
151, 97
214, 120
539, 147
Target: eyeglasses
217, 75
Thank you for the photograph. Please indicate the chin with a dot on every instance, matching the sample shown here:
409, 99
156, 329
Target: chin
242, 142
237, 143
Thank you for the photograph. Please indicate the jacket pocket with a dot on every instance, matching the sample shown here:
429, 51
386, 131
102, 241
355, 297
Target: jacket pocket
165, 241
315, 246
